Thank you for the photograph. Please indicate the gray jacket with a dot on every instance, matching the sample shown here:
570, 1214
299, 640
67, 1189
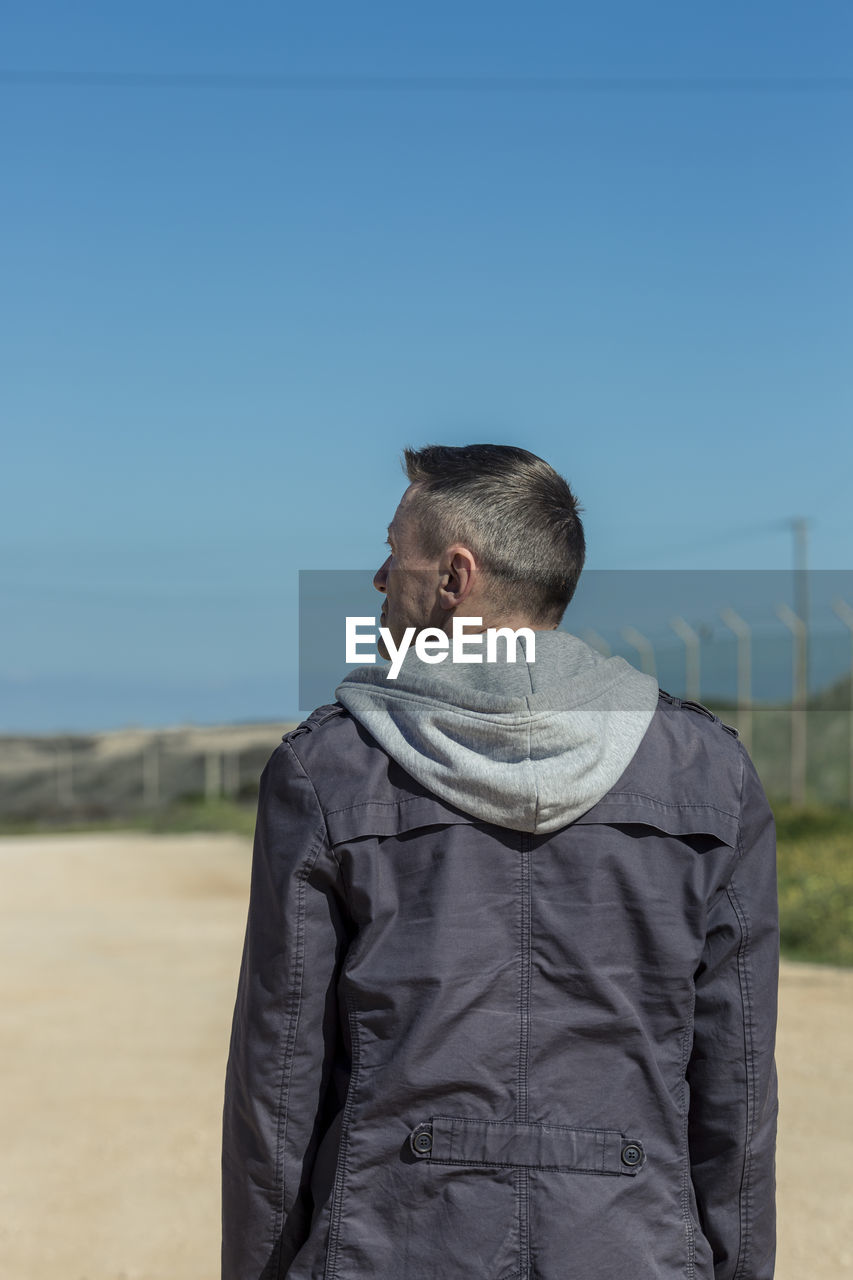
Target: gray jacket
507, 1000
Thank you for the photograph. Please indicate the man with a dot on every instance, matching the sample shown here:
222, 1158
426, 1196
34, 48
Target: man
507, 1002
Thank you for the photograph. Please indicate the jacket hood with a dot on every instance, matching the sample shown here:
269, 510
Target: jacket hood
526, 745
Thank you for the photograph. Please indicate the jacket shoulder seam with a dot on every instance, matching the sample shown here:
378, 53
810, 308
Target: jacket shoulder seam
744, 984
387, 804
669, 804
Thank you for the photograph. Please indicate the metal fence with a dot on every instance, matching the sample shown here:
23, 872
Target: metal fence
95, 776
801, 742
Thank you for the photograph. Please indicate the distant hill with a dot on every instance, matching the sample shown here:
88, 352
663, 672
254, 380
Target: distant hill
51, 777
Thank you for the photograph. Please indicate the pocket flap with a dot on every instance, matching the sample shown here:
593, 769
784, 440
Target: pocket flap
470, 1140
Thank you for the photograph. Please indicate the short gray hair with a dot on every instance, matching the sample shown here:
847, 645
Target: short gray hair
514, 512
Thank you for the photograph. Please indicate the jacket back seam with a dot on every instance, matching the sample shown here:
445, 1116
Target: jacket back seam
749, 1050
746, 1003
689, 1231
522, 1177
330, 1269
292, 1006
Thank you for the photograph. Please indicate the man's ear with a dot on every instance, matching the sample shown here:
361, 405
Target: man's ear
459, 574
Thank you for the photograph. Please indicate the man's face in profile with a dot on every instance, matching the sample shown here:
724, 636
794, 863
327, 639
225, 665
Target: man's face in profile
408, 579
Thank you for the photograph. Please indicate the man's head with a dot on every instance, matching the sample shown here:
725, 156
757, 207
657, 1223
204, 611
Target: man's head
483, 530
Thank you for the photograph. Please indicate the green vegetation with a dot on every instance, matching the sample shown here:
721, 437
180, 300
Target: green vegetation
815, 869
828, 738
815, 843
191, 813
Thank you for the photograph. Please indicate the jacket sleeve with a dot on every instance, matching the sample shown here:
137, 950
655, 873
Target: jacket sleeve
287, 1066
731, 1073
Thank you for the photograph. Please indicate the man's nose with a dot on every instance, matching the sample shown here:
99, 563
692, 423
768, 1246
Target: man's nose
380, 577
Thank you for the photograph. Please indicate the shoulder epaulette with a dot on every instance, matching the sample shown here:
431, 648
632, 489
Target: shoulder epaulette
317, 717
699, 708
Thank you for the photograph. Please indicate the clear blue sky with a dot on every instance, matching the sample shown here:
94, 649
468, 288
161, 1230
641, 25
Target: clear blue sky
227, 304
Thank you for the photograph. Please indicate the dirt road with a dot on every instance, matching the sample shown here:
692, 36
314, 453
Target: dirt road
118, 967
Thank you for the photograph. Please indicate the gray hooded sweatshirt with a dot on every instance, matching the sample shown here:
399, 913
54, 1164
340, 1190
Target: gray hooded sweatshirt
525, 745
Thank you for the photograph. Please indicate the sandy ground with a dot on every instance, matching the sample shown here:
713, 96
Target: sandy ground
118, 967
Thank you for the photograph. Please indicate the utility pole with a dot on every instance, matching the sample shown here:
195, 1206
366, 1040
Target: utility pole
799, 751
799, 526
845, 613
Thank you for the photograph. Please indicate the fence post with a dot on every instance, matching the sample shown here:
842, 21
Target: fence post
798, 705
691, 656
596, 641
845, 613
643, 646
232, 773
64, 778
151, 774
743, 631
212, 775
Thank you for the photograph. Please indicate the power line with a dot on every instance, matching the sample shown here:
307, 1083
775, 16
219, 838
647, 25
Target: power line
357, 83
725, 536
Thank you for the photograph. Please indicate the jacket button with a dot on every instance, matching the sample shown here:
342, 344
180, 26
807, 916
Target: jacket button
631, 1153
422, 1142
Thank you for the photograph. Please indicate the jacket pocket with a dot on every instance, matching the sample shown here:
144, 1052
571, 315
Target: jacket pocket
474, 1141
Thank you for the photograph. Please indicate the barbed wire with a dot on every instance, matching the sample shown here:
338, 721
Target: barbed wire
416, 83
